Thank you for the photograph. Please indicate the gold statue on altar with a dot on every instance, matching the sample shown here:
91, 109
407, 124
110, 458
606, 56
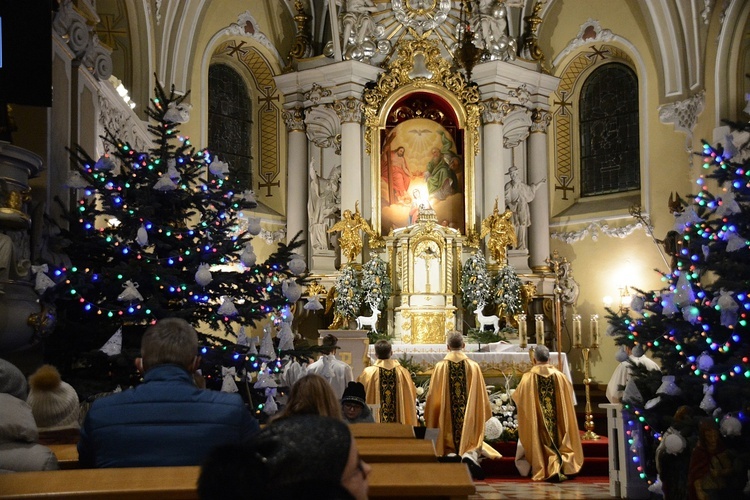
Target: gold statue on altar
350, 240
502, 233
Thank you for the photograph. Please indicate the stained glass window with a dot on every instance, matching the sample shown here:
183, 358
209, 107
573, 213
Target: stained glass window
610, 156
229, 122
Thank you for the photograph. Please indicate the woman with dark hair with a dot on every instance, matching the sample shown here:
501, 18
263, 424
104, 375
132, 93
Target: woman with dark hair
300, 457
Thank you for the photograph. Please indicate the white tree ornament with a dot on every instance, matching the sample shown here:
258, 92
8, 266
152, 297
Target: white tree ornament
253, 226
165, 183
203, 275
142, 236
113, 346
248, 257
130, 293
218, 168
228, 384
291, 290
227, 308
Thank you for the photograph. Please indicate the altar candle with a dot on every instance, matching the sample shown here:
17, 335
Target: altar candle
539, 318
594, 331
576, 330
522, 329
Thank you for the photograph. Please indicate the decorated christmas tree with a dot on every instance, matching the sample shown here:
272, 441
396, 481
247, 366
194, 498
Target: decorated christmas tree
376, 284
161, 233
697, 327
507, 286
476, 285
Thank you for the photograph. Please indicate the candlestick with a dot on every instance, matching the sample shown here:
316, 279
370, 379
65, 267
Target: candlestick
539, 319
577, 330
522, 330
594, 331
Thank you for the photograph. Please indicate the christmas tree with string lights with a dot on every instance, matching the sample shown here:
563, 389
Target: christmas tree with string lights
164, 233
697, 327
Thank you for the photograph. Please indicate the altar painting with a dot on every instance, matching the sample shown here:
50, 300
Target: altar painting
421, 165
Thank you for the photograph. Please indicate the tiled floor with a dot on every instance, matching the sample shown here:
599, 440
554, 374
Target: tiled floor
531, 490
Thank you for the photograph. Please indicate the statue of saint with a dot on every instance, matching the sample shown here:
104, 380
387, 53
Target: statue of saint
350, 240
501, 231
322, 205
518, 195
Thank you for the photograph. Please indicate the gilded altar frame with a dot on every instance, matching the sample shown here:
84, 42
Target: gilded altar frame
420, 68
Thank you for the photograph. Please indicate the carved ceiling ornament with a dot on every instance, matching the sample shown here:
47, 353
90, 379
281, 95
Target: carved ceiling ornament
421, 15
436, 73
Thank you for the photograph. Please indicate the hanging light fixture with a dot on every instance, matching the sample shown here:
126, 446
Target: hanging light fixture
467, 54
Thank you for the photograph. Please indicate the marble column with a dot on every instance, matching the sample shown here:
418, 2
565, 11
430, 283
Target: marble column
494, 156
297, 182
349, 110
539, 207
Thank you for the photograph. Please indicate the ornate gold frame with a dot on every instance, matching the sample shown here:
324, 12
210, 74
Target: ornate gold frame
396, 82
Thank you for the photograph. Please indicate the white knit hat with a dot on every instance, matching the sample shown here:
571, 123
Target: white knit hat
53, 402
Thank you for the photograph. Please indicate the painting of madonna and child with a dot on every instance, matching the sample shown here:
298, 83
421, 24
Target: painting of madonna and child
421, 166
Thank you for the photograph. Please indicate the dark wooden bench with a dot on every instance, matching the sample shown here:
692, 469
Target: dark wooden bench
370, 449
382, 430
404, 481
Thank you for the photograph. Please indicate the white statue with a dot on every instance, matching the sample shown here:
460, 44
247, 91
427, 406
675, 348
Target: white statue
359, 30
371, 321
483, 320
518, 195
322, 203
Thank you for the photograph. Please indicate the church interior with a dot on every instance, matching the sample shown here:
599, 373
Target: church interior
547, 139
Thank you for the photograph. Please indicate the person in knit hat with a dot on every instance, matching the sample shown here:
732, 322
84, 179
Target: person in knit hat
354, 404
54, 404
12, 381
19, 449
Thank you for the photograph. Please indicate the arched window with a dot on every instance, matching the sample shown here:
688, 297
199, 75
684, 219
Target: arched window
610, 157
229, 112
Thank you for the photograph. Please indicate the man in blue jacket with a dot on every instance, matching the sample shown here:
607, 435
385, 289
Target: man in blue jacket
166, 420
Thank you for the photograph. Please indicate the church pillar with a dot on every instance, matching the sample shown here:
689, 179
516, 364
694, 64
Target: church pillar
539, 207
296, 216
494, 155
349, 110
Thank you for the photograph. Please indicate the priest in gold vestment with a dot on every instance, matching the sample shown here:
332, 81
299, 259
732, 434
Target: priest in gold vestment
458, 405
548, 436
389, 385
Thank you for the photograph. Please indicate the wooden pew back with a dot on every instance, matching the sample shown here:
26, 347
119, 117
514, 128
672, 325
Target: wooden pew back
404, 481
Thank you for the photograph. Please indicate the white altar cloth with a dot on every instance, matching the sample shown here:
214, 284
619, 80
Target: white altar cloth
495, 360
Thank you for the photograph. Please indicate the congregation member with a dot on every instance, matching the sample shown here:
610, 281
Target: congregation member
304, 457
458, 405
55, 406
167, 419
624, 371
353, 405
19, 447
549, 444
390, 386
335, 371
311, 395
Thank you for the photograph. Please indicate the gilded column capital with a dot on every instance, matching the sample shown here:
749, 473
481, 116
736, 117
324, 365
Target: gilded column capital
349, 109
540, 120
495, 110
294, 119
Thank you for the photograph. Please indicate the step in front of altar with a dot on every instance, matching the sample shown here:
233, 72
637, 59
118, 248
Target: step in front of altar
595, 460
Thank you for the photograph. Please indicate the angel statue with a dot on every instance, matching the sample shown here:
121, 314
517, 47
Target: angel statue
349, 226
502, 233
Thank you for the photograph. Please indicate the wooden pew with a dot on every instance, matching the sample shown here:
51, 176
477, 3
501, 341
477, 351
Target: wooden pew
371, 450
67, 455
382, 430
396, 450
405, 481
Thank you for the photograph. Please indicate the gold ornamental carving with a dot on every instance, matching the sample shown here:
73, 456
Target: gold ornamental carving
436, 74
428, 328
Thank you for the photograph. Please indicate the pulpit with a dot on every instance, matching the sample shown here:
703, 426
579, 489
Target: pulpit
424, 258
